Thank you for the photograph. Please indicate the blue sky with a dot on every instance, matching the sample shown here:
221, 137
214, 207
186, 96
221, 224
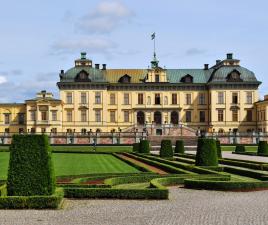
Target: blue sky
38, 38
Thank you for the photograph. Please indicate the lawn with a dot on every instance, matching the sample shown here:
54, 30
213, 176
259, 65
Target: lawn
76, 164
232, 148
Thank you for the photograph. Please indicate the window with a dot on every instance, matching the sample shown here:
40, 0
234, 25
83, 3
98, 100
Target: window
32, 115
21, 130
7, 118
126, 116
54, 115
112, 116
112, 99
220, 97
126, 98
97, 98
174, 99
83, 98
83, 115
98, 116
202, 99
220, 115
6, 130
235, 115
140, 99
21, 118
157, 99
43, 115
202, 116
157, 78
165, 100
235, 98
54, 130
249, 98
249, 116
188, 116
188, 99
69, 116
69, 98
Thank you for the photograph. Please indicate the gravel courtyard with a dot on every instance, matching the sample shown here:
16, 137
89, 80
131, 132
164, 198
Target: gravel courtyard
195, 207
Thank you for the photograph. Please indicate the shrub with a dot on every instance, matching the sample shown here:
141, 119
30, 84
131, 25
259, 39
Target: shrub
144, 146
179, 147
262, 148
218, 144
240, 148
136, 147
206, 154
30, 170
166, 149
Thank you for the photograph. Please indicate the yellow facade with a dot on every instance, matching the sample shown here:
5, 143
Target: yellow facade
221, 98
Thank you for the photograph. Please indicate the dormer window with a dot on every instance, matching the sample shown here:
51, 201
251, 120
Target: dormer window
187, 79
82, 76
234, 76
124, 79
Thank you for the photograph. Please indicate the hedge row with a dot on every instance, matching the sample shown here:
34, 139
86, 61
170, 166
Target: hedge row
84, 185
32, 202
240, 148
249, 165
224, 185
246, 172
163, 166
149, 193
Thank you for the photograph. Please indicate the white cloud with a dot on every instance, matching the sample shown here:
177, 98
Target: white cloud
3, 79
107, 16
92, 45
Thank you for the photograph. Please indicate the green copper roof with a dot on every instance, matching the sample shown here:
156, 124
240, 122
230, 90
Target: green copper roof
220, 74
96, 75
199, 75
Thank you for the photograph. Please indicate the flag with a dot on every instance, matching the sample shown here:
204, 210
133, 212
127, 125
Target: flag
153, 36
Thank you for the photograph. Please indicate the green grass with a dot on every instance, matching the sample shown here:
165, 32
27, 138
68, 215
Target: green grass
91, 148
76, 164
232, 148
133, 186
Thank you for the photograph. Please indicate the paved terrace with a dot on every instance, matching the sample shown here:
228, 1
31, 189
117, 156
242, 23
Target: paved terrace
185, 207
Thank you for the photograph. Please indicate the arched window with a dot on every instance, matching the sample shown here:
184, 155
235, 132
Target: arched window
158, 117
174, 117
187, 79
140, 118
234, 76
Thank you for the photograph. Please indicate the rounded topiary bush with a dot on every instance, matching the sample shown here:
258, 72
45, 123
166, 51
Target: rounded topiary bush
263, 148
240, 148
135, 147
144, 146
166, 149
179, 148
206, 154
218, 144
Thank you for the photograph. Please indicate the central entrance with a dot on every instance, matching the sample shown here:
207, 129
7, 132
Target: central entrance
158, 118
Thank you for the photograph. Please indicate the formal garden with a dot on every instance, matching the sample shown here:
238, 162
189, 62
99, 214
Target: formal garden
34, 174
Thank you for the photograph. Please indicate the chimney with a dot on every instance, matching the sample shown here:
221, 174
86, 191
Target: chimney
206, 66
103, 66
229, 55
97, 66
218, 61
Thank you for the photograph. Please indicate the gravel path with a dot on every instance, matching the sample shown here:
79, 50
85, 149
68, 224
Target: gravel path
185, 207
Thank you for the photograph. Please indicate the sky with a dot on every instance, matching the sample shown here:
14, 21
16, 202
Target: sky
39, 38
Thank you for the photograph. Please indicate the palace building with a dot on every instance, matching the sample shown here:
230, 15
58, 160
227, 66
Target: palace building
220, 98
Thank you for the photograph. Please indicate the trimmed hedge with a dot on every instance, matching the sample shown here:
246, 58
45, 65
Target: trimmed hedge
206, 154
136, 147
218, 144
144, 146
129, 179
224, 185
240, 148
179, 148
149, 193
30, 170
262, 148
166, 149
33, 202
